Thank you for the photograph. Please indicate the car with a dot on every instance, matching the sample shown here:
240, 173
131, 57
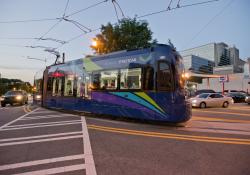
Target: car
201, 91
211, 100
247, 99
12, 97
238, 97
37, 97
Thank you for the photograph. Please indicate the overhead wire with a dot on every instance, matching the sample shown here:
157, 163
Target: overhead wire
169, 5
145, 15
178, 3
53, 26
208, 23
29, 20
174, 8
80, 26
115, 3
65, 8
86, 8
116, 13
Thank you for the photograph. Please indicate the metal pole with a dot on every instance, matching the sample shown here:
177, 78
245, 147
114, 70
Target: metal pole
223, 87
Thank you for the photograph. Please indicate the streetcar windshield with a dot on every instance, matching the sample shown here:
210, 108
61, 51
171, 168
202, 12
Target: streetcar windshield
180, 70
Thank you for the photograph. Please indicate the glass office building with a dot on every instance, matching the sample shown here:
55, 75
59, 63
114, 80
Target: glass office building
198, 64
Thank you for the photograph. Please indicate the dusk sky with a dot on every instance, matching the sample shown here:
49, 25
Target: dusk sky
220, 21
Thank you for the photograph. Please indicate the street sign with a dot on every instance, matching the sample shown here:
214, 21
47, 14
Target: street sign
224, 79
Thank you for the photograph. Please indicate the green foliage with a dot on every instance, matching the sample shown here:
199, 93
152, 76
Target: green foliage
127, 34
10, 84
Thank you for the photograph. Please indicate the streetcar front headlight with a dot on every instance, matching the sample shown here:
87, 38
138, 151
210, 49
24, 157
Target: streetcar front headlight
19, 97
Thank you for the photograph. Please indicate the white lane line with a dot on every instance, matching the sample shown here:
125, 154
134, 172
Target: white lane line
55, 170
39, 136
40, 140
39, 126
7, 124
48, 116
89, 160
40, 162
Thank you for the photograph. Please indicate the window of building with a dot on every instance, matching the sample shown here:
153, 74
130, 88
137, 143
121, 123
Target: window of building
130, 78
109, 79
164, 77
69, 85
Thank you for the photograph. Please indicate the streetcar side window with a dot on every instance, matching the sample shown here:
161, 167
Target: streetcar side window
49, 85
68, 85
57, 87
164, 77
130, 78
95, 80
148, 76
109, 79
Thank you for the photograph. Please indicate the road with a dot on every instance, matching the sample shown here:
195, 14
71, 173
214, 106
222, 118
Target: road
215, 141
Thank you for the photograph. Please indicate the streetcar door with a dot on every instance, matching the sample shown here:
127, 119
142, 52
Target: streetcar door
164, 77
87, 85
165, 82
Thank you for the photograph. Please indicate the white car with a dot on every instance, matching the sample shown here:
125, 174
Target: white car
211, 100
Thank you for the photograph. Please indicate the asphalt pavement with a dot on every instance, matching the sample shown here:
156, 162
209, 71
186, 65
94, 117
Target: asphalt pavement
41, 141
45, 142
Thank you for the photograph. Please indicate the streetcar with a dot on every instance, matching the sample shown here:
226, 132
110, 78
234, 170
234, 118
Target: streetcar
145, 84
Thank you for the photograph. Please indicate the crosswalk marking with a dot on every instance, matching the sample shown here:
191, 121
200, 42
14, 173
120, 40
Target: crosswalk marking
39, 136
40, 162
7, 124
40, 140
40, 126
45, 123
55, 170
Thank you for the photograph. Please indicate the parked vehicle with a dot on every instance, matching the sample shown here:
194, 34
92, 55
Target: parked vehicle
238, 97
211, 100
247, 99
198, 92
12, 97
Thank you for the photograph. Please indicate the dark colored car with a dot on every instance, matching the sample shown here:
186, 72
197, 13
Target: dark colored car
238, 97
248, 99
198, 92
12, 97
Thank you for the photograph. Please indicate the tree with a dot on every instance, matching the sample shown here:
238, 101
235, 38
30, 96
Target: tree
127, 34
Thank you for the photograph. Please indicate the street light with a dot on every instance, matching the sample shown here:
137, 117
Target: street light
94, 43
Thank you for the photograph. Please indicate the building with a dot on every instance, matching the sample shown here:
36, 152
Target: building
198, 64
226, 59
237, 81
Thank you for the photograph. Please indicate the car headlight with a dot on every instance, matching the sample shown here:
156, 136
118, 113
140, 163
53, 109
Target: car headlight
247, 98
194, 101
19, 97
38, 96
